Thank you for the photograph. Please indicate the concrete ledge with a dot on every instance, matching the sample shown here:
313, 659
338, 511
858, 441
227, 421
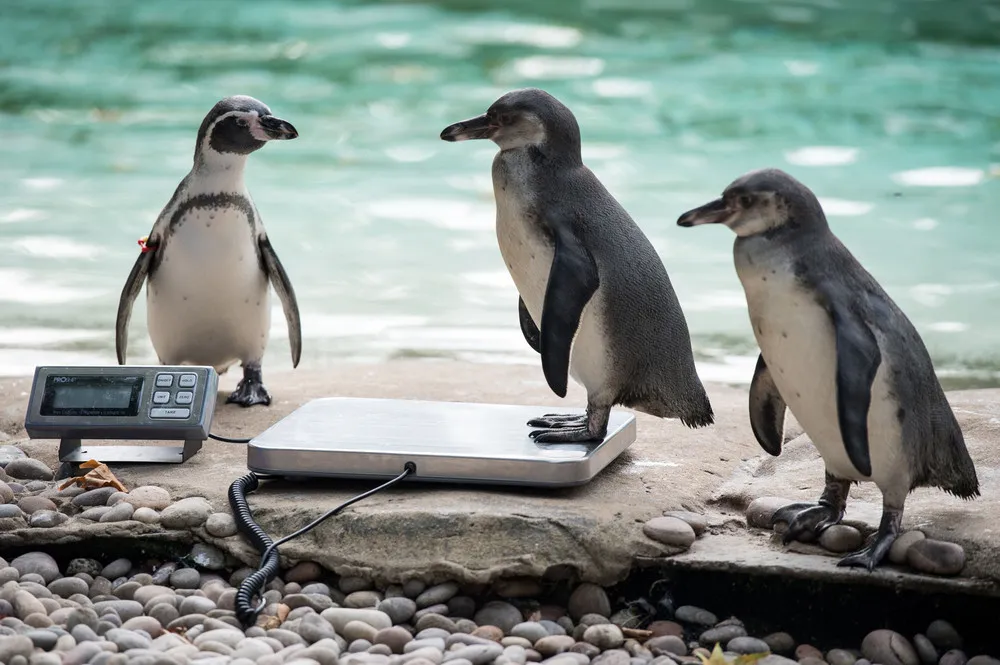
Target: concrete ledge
593, 533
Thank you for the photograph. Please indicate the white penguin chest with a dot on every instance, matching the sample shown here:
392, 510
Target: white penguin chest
208, 301
797, 340
528, 256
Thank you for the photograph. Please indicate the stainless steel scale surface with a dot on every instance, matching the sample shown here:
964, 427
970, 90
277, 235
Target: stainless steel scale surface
459, 442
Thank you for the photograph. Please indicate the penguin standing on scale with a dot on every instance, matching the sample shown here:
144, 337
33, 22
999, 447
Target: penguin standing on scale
595, 300
208, 260
837, 351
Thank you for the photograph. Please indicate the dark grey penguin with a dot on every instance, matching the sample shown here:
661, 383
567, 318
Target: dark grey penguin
209, 262
838, 352
595, 300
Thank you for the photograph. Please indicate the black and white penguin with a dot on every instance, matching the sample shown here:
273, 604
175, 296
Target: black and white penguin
595, 299
208, 260
838, 352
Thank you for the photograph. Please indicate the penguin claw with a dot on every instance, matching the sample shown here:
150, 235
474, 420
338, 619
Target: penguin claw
870, 556
559, 420
565, 435
806, 520
249, 393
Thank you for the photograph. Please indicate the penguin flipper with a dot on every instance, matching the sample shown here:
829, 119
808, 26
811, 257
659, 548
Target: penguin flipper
573, 280
528, 327
858, 359
136, 278
767, 409
286, 294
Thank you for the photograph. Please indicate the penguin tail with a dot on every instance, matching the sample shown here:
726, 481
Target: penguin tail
701, 415
959, 472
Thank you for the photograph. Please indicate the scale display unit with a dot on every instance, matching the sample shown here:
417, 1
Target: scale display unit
131, 402
449, 442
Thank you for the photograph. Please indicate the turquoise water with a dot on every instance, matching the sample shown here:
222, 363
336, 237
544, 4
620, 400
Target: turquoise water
890, 111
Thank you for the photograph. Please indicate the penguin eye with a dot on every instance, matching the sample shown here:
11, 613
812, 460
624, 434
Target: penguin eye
242, 122
746, 201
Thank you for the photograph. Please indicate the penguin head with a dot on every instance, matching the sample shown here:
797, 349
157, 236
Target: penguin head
758, 202
239, 125
522, 118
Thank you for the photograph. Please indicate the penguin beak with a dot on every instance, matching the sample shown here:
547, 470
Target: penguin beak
276, 128
713, 212
473, 128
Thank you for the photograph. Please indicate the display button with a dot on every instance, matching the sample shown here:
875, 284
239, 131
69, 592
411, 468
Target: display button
161, 397
185, 397
188, 380
161, 412
164, 380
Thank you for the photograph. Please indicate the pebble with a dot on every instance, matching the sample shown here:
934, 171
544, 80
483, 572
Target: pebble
34, 504
502, 615
553, 644
840, 657
67, 586
780, 642
604, 636
840, 538
437, 594
722, 635
94, 514
304, 572
340, 616
903, 542
395, 638
529, 630
694, 520
666, 645
661, 628
954, 657
221, 525
185, 578
888, 647
146, 516
491, 633
935, 557
925, 650
148, 496
760, 511
983, 660
747, 645
47, 519
808, 651
94, 497
16, 645
38, 563
6, 493
399, 609
26, 468
207, 556
186, 513
117, 568
587, 598
943, 635
671, 531
118, 513
477, 654
363, 599
695, 615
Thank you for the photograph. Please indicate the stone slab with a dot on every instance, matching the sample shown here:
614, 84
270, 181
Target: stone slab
478, 535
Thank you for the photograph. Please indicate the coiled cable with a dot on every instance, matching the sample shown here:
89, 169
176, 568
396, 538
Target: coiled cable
254, 584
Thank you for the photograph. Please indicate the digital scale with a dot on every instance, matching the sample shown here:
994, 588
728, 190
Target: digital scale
341, 437
149, 403
334, 437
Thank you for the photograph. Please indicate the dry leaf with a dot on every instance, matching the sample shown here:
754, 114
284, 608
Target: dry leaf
718, 659
98, 476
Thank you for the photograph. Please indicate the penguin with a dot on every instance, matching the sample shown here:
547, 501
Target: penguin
594, 297
836, 351
208, 262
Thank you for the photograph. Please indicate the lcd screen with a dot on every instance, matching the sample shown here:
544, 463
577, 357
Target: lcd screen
83, 396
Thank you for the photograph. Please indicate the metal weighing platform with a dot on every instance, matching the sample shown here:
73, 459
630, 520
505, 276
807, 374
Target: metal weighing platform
455, 442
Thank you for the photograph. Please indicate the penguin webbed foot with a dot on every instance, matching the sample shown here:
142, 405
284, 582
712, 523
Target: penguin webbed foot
872, 555
806, 521
575, 428
250, 391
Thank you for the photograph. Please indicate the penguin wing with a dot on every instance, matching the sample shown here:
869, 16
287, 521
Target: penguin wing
140, 269
528, 327
573, 279
767, 409
286, 294
858, 359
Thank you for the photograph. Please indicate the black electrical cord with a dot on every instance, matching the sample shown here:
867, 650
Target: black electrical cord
269, 561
